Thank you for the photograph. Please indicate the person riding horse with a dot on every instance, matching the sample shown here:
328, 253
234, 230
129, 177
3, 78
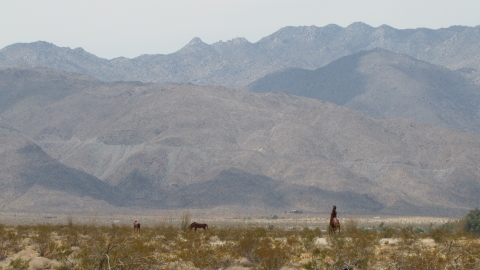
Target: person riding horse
334, 223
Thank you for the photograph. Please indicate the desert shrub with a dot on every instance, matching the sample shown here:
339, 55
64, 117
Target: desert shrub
308, 237
408, 235
10, 241
42, 240
248, 241
272, 253
350, 225
3, 242
91, 254
472, 221
185, 220
170, 233
228, 233
354, 249
446, 227
439, 235
413, 257
453, 254
318, 260
69, 221
115, 247
205, 250
18, 264
72, 238
63, 255
386, 232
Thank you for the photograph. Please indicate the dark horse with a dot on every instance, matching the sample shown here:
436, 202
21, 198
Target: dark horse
136, 226
334, 223
198, 226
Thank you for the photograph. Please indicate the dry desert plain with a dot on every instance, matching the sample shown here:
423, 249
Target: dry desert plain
173, 217
238, 242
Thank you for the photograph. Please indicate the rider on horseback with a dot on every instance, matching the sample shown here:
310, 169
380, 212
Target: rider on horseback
333, 215
334, 223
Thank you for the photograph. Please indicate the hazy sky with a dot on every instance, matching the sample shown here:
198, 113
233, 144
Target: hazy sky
111, 29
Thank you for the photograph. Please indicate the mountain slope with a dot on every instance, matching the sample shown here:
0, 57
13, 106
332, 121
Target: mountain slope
27, 172
383, 84
236, 63
164, 146
46, 85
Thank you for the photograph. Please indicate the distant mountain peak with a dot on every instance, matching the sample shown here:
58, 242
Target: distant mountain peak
195, 46
41, 43
36, 44
239, 40
359, 25
195, 41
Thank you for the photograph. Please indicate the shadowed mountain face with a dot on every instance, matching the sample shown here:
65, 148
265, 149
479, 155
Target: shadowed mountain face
179, 146
383, 84
241, 190
236, 63
32, 180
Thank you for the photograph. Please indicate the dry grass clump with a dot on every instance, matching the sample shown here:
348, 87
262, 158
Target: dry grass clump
77, 246
10, 241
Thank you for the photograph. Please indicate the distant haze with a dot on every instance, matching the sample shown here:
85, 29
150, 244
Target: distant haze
111, 29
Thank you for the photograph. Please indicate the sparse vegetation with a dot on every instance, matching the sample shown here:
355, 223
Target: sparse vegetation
77, 246
18, 264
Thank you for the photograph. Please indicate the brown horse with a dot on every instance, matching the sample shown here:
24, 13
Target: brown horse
198, 226
136, 226
334, 223
333, 226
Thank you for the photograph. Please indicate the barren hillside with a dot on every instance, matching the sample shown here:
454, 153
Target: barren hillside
163, 146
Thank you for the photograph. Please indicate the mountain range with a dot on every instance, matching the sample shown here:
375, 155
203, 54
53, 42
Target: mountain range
72, 141
237, 63
383, 84
373, 120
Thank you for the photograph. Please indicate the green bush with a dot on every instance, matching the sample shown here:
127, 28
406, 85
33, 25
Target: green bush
18, 264
472, 221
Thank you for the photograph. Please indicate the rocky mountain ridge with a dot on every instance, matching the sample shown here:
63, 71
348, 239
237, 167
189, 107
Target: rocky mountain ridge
237, 63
